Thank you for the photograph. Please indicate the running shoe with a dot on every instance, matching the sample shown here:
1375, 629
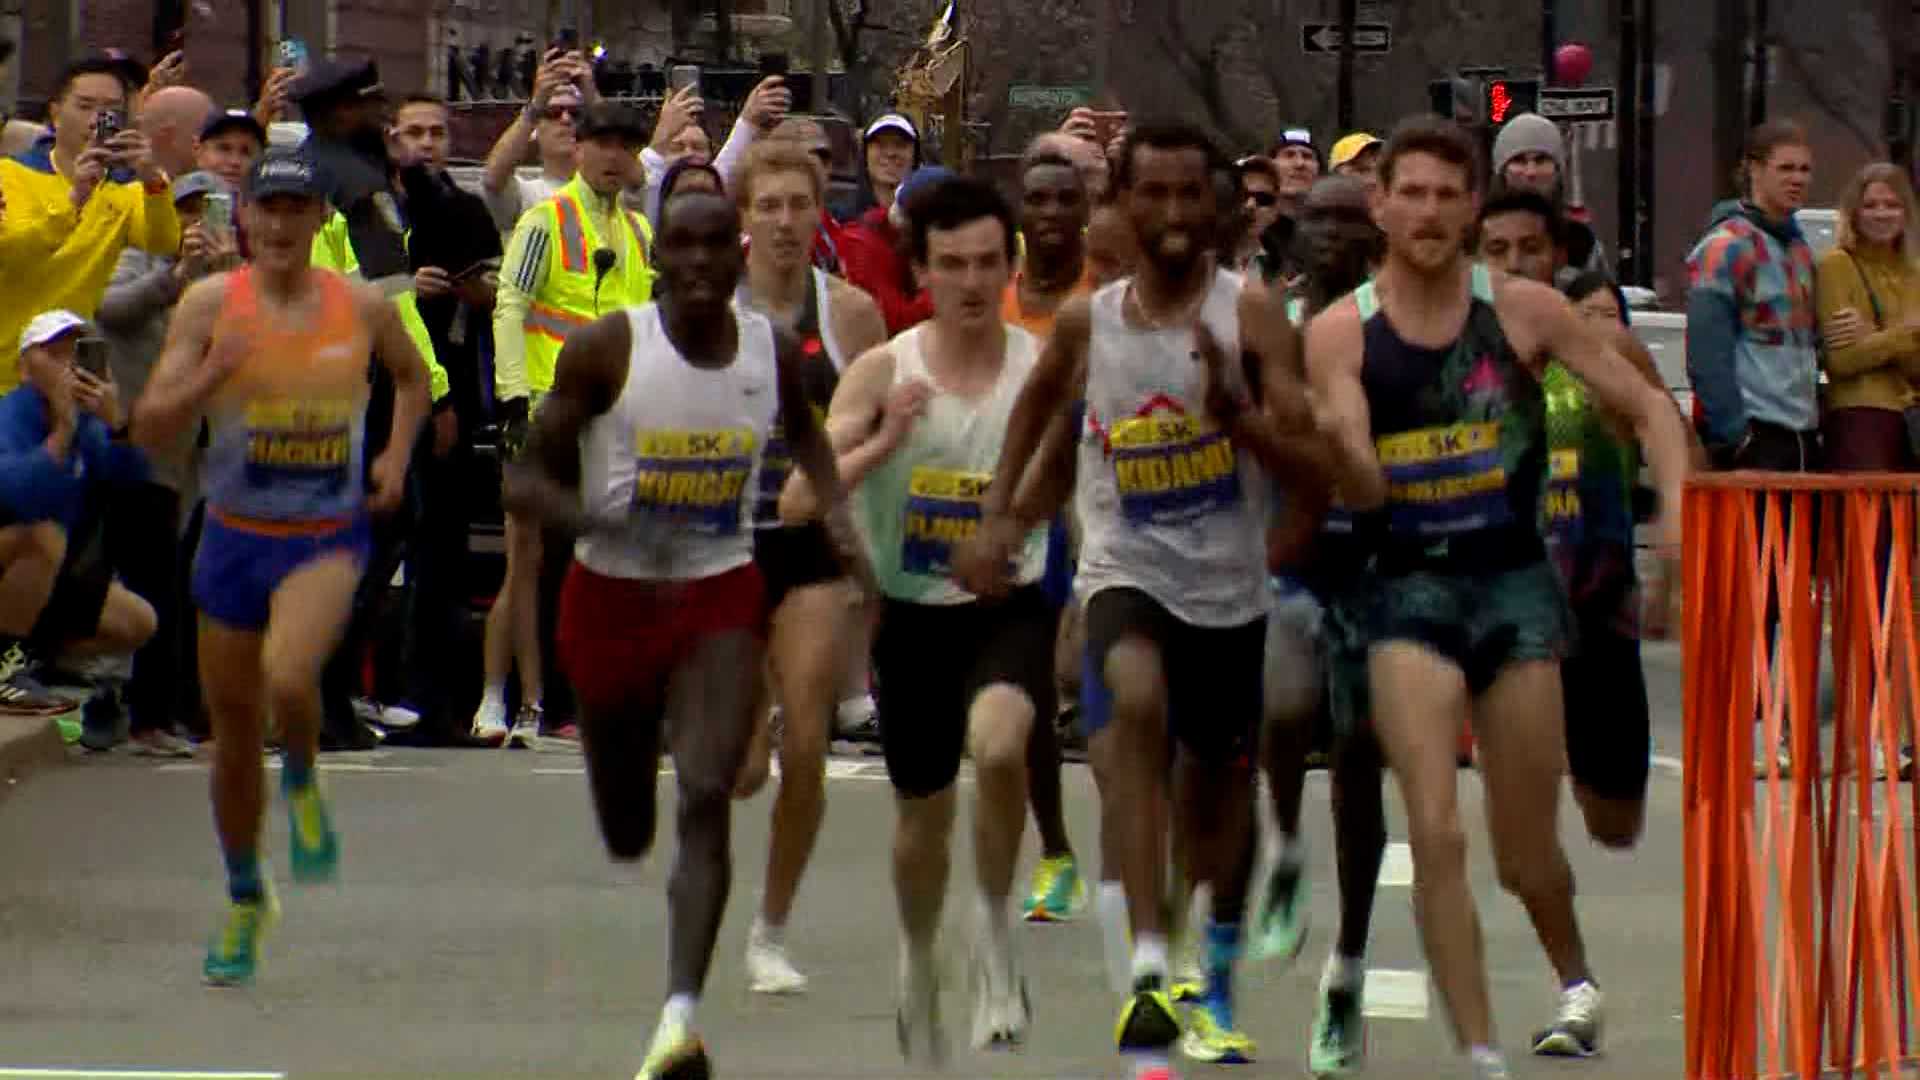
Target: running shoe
1490, 1065
22, 695
916, 1019
1059, 895
1001, 1007
1339, 1041
234, 953
526, 729
313, 848
1210, 1035
1189, 971
160, 743
490, 723
1147, 1021
769, 971
1576, 1029
858, 719
1283, 915
676, 1054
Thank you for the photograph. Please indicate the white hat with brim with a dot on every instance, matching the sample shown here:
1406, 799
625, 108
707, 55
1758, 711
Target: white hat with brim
891, 122
50, 326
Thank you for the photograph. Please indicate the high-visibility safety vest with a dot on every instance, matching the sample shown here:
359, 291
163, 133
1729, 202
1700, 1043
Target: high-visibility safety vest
567, 298
333, 250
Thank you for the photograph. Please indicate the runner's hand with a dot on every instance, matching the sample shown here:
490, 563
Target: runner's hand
982, 561
757, 764
446, 432
389, 480
1226, 398
906, 403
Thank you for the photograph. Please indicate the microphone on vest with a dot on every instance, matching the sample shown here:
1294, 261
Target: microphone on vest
603, 260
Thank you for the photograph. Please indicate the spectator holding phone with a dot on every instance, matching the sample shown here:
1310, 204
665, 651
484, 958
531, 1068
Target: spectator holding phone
562, 86
78, 198
678, 136
63, 447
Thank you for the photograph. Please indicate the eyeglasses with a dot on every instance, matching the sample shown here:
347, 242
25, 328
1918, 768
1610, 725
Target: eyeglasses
562, 112
1265, 200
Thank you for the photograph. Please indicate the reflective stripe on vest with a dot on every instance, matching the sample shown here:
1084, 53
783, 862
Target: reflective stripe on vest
568, 300
551, 321
573, 236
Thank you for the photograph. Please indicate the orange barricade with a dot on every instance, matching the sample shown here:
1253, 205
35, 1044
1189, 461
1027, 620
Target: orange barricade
1803, 947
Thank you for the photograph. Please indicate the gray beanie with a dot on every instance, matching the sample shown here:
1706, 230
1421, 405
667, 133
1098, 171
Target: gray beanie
1529, 133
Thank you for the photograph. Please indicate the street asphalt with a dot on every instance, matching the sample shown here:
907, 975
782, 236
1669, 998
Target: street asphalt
479, 931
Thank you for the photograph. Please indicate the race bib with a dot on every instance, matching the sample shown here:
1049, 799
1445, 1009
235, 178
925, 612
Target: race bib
776, 464
1563, 497
1443, 481
1170, 471
695, 480
299, 441
943, 510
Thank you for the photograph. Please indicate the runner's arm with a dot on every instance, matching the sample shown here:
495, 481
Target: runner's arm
396, 350
813, 457
1616, 387
182, 381
1058, 380
853, 421
857, 323
544, 483
1281, 433
1048, 481
1335, 349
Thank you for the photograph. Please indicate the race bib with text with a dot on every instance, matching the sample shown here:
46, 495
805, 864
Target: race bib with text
1171, 471
943, 510
299, 441
1443, 481
693, 479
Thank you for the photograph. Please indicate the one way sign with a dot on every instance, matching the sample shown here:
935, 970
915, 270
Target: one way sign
1321, 38
1576, 105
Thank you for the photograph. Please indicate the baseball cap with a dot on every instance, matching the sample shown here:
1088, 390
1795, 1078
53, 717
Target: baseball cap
329, 81
233, 120
924, 178
50, 326
609, 118
285, 172
891, 122
1294, 137
198, 183
1350, 147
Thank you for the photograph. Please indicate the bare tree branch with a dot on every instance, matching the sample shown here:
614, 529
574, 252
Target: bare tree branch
1840, 114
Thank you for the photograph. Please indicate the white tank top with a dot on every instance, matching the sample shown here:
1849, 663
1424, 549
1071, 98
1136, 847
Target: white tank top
679, 456
926, 497
1167, 504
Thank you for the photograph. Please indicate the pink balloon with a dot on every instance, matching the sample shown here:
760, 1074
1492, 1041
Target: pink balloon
1572, 63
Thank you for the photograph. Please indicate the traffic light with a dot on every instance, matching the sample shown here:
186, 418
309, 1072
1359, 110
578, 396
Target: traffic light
1505, 99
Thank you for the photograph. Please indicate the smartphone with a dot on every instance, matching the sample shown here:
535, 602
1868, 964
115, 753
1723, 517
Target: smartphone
567, 40
775, 63
90, 356
682, 76
292, 54
106, 124
217, 217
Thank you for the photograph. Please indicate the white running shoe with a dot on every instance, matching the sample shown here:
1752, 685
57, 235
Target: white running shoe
857, 717
1001, 1009
490, 723
769, 971
1576, 1028
526, 729
917, 1017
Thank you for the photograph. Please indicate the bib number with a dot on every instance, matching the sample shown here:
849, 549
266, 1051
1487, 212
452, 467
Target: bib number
304, 443
1445, 481
1171, 472
693, 480
943, 511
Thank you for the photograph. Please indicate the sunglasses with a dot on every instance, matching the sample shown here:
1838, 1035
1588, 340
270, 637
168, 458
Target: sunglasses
562, 112
1265, 200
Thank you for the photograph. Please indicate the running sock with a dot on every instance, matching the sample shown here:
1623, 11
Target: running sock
1223, 948
1344, 973
768, 932
996, 923
243, 877
1486, 1056
494, 696
1110, 903
679, 1010
1150, 956
296, 770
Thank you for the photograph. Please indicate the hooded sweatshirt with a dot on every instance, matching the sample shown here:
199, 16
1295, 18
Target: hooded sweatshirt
1752, 327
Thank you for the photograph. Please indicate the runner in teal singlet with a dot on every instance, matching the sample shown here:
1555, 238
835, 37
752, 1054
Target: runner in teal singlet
1428, 385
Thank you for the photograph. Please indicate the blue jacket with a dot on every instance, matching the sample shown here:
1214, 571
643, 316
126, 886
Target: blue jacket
36, 487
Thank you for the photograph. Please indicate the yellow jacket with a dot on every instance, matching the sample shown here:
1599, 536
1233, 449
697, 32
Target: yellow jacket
54, 256
333, 250
1879, 370
549, 286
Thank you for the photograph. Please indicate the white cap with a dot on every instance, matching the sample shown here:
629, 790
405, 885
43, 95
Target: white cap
49, 326
286, 133
891, 122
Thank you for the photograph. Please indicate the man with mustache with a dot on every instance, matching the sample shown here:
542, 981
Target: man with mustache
1427, 383
815, 614
1172, 560
648, 448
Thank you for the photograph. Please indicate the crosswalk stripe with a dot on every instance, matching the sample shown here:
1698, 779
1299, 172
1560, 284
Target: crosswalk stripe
135, 1074
1395, 995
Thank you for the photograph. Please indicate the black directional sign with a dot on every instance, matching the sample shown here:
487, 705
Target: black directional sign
1593, 103
1371, 38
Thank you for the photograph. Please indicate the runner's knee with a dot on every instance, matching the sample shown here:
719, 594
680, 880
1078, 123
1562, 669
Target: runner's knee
40, 542
1531, 865
1439, 849
1612, 823
997, 727
924, 824
1135, 677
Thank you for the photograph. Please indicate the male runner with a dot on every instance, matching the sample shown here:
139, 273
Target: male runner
1053, 220
1171, 495
648, 447
1428, 386
924, 417
1316, 668
275, 356
816, 612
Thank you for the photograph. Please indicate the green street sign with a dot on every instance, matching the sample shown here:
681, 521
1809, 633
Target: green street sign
1049, 98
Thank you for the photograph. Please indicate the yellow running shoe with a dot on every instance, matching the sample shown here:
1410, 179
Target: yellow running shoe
676, 1054
1147, 1021
234, 953
1210, 1035
1058, 893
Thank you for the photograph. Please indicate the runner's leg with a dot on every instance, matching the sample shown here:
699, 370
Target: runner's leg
309, 614
808, 645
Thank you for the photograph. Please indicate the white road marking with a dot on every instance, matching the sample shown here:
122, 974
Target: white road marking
135, 1074
836, 770
1396, 866
1669, 765
1395, 995
274, 765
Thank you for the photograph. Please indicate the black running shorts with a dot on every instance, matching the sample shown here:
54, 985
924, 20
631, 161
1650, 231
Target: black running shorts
1214, 687
932, 660
1608, 725
793, 557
